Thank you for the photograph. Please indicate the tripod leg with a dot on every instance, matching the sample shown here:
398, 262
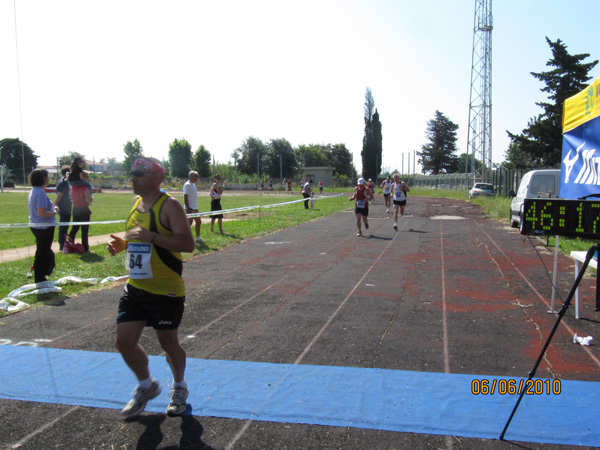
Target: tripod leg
597, 308
561, 313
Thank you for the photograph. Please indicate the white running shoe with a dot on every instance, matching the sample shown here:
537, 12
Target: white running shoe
178, 403
140, 397
395, 226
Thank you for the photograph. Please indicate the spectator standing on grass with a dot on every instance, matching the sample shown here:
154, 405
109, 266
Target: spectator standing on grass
64, 203
399, 189
306, 192
190, 199
216, 191
157, 231
320, 186
362, 195
42, 211
82, 200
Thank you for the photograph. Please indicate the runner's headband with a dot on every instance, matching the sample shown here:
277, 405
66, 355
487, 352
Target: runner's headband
148, 165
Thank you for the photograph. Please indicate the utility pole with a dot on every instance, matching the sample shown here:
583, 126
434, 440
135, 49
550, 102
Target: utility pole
479, 136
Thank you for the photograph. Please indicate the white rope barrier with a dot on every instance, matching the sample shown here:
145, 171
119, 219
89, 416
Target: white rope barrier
13, 303
199, 214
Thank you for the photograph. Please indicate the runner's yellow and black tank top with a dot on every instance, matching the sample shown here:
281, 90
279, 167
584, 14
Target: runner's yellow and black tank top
166, 265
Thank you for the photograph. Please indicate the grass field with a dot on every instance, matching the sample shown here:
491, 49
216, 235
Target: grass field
261, 221
109, 206
116, 206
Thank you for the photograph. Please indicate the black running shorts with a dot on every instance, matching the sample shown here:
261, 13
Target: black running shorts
159, 311
362, 211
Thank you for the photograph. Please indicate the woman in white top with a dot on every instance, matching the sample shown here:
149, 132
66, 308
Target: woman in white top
215, 203
387, 186
399, 188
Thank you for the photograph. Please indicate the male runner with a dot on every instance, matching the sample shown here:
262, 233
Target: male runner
157, 231
190, 200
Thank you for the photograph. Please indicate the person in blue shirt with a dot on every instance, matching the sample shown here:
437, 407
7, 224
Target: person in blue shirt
64, 203
42, 212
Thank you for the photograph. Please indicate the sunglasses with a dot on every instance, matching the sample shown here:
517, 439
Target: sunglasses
138, 173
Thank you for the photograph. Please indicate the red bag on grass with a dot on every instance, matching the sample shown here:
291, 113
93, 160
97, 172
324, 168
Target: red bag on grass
71, 247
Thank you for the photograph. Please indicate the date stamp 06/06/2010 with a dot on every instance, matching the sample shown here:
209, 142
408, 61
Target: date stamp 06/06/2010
512, 387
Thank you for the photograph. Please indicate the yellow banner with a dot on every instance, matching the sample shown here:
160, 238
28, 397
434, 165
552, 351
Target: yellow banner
582, 107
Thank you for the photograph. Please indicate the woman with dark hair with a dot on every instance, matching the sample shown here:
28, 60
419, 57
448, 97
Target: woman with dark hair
215, 203
64, 203
43, 213
77, 177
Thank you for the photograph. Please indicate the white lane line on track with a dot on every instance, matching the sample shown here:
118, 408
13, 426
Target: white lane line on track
266, 289
444, 308
540, 296
448, 439
248, 422
43, 428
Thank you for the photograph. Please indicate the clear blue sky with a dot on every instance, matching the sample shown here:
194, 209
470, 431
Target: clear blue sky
96, 74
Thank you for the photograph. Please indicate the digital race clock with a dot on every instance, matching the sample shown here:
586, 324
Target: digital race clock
557, 217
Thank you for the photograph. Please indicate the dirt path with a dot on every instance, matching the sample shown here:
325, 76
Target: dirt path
14, 254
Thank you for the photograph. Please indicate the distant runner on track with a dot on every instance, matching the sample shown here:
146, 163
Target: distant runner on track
399, 189
362, 195
387, 186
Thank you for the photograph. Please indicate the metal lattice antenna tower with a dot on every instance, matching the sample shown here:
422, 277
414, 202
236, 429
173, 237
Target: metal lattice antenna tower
479, 137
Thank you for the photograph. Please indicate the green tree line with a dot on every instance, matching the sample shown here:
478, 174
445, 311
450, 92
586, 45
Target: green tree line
276, 158
539, 144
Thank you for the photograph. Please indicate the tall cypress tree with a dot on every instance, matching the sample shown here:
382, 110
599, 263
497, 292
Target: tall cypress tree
372, 141
377, 146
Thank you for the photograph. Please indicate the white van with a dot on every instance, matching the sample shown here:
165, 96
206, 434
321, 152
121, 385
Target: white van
534, 184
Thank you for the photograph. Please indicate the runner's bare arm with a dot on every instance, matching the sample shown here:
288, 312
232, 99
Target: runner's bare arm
173, 217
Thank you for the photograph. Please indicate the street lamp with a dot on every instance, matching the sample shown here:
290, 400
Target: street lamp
280, 169
257, 167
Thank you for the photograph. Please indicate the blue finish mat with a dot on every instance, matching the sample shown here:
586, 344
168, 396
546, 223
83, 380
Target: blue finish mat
392, 400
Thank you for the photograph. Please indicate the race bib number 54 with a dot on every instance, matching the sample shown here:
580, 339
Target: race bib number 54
137, 261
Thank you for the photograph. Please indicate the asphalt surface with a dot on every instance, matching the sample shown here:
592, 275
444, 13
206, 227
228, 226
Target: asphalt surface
450, 292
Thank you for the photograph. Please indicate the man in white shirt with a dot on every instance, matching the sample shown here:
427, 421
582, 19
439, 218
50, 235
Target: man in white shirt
190, 199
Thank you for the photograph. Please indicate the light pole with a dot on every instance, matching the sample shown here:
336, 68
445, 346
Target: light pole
235, 167
280, 169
